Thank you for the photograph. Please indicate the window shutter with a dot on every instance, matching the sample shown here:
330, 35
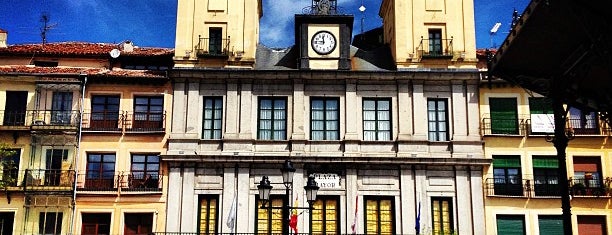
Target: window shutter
506, 161
511, 224
545, 162
550, 224
504, 117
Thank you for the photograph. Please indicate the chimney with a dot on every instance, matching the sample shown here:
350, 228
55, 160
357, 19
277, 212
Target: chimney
3, 36
128, 46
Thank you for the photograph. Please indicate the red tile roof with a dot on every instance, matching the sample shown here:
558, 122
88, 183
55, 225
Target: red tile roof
3, 31
81, 49
95, 72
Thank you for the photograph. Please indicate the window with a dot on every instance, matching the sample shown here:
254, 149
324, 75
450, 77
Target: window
504, 116
507, 175
6, 223
377, 119
96, 223
587, 176
105, 112
100, 171
540, 105
435, 42
511, 224
442, 211
50, 223
138, 223
583, 122
325, 218
53, 173
269, 221
214, 41
550, 224
148, 112
546, 178
379, 215
324, 119
10, 167
213, 113
592, 225
61, 107
145, 171
272, 118
15, 108
437, 119
208, 214
40, 63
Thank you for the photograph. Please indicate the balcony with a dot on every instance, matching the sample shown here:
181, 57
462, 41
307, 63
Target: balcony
510, 187
40, 120
128, 122
145, 122
589, 187
48, 180
212, 47
94, 181
507, 127
435, 48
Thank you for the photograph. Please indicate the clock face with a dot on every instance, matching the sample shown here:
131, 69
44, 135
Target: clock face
323, 42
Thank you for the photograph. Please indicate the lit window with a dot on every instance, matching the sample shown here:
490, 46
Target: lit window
379, 215
208, 214
325, 218
442, 210
269, 221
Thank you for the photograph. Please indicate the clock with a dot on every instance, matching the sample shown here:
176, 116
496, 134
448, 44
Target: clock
323, 42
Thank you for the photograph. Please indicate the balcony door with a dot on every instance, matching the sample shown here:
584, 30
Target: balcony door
100, 171
96, 223
435, 42
15, 108
214, 41
61, 108
138, 223
53, 169
105, 112
148, 112
6, 223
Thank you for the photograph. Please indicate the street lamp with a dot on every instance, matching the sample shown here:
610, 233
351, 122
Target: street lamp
287, 171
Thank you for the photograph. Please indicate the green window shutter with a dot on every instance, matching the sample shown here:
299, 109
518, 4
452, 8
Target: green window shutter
545, 162
511, 225
506, 161
504, 116
540, 105
550, 224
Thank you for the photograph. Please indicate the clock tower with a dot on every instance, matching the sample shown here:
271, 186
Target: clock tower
323, 37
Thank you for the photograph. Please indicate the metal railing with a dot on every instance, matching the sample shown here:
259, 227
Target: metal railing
48, 180
499, 126
508, 186
41, 119
589, 187
133, 182
131, 122
212, 47
434, 48
145, 121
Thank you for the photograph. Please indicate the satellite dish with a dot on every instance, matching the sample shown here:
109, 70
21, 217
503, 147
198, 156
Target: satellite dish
114, 53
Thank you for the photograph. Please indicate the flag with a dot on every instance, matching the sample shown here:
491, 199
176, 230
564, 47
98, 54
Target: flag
231, 218
354, 226
418, 219
293, 218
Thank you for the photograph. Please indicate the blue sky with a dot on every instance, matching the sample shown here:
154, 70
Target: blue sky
152, 22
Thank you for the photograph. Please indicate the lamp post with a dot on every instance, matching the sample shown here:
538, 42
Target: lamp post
287, 171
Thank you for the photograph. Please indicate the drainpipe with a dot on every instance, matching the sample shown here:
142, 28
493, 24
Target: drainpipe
78, 152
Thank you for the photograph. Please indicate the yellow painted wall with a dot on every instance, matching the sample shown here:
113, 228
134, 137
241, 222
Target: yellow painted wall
406, 22
239, 20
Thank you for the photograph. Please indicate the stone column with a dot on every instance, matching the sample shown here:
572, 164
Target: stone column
246, 105
478, 213
464, 221
407, 198
459, 116
232, 111
194, 109
178, 112
419, 112
188, 210
175, 190
404, 104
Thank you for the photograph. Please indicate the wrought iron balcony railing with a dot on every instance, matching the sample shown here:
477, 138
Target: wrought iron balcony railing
130, 122
513, 187
213, 47
43, 180
589, 187
145, 121
435, 48
499, 126
40, 119
109, 181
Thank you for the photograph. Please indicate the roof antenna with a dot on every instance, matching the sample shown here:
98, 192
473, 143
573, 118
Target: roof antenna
45, 18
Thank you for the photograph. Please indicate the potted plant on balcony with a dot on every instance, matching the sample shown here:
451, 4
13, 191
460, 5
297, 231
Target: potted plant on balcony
578, 189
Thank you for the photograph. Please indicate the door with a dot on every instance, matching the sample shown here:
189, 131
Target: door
61, 108
15, 108
435, 42
138, 223
6, 223
96, 223
148, 111
214, 41
105, 112
53, 170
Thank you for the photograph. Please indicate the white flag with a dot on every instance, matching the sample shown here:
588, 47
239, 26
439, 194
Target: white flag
231, 218
354, 226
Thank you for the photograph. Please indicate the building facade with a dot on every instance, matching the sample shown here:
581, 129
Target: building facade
396, 148
56, 176
522, 185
